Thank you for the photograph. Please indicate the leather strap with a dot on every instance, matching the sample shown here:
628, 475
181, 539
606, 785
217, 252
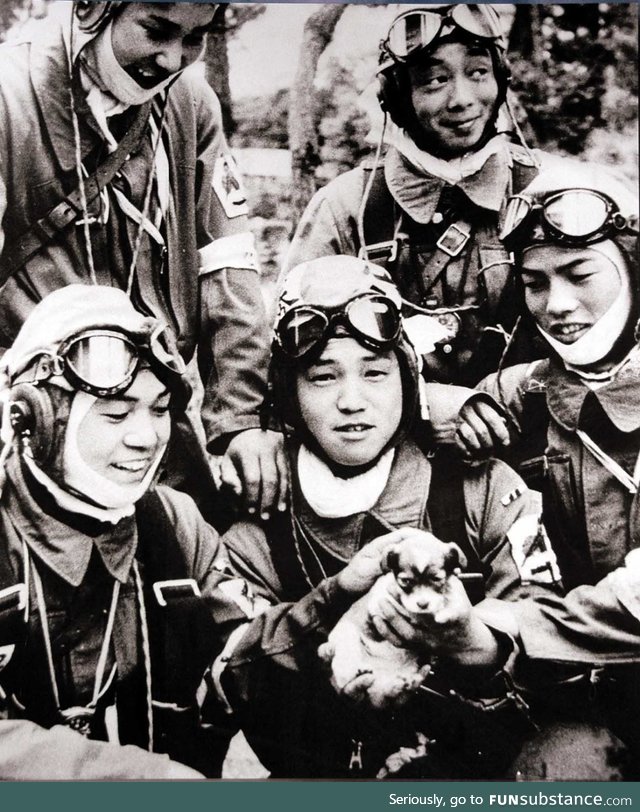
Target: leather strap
67, 210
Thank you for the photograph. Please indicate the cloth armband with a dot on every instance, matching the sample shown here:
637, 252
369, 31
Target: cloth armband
233, 251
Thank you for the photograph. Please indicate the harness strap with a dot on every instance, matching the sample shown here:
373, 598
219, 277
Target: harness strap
182, 631
67, 210
381, 228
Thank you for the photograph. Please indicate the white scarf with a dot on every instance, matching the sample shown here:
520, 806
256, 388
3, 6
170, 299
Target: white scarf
452, 171
332, 497
599, 340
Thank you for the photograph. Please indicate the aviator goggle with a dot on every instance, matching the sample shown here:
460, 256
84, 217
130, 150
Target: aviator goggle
372, 319
418, 29
571, 217
104, 362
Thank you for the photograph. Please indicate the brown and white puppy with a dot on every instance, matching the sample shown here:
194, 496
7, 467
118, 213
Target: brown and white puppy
363, 664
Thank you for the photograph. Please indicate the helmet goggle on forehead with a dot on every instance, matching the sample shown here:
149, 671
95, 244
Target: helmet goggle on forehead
104, 361
570, 216
419, 28
371, 318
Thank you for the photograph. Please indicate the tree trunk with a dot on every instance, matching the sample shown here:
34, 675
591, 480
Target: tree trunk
217, 70
303, 112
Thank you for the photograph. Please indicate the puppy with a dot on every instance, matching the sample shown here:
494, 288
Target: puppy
365, 665
421, 570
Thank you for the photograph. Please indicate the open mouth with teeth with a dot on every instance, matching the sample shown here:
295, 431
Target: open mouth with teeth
147, 77
132, 468
354, 430
568, 333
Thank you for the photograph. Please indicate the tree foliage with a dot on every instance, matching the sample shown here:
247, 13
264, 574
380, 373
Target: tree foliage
262, 121
569, 63
342, 125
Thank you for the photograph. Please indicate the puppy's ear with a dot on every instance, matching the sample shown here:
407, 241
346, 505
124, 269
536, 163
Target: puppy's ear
454, 559
392, 560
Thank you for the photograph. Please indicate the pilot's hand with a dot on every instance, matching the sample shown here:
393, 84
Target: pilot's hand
255, 468
482, 428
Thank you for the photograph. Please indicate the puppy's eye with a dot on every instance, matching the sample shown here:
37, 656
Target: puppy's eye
404, 582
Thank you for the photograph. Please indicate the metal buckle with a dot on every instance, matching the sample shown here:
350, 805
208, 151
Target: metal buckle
379, 250
453, 240
20, 593
102, 218
176, 583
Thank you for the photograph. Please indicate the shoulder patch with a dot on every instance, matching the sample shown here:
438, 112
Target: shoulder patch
532, 552
228, 186
510, 497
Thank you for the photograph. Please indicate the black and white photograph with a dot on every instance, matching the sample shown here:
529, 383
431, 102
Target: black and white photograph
319, 392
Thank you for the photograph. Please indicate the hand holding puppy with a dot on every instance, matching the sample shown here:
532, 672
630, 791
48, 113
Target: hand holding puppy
369, 563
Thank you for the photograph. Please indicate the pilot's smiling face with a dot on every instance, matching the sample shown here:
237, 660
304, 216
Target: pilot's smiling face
454, 93
152, 41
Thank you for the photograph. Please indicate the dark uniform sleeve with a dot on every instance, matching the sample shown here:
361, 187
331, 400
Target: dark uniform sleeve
594, 625
234, 342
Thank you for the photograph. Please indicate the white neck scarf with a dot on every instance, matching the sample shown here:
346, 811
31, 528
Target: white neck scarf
452, 171
598, 342
332, 497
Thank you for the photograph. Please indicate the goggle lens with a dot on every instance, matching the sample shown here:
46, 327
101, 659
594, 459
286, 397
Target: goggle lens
577, 213
576, 216
482, 22
375, 318
103, 362
302, 330
415, 30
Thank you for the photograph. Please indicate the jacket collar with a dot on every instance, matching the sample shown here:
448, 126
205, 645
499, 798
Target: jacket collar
418, 193
566, 393
64, 549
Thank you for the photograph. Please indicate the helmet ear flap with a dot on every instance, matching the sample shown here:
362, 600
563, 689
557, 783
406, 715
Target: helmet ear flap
32, 416
393, 94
